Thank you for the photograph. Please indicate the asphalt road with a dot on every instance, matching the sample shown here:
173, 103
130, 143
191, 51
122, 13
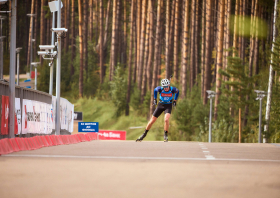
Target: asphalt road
146, 169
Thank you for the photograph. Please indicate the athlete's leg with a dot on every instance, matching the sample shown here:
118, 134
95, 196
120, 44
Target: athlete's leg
166, 121
149, 125
151, 122
154, 117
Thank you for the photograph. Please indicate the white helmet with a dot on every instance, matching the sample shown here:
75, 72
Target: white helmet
165, 82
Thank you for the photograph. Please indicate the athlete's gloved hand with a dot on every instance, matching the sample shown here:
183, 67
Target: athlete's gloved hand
174, 103
155, 102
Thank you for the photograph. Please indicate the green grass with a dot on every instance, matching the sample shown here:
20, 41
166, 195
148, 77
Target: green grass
95, 110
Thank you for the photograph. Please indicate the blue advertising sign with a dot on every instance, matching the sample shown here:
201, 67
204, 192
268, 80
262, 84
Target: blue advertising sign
88, 127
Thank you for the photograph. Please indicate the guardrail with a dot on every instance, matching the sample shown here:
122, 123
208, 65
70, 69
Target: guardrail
30, 94
26, 93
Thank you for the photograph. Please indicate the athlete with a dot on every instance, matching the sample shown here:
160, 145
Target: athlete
165, 104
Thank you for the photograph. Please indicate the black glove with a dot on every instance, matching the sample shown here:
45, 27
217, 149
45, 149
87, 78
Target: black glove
155, 102
174, 103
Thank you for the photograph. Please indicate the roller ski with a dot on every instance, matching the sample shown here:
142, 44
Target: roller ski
141, 137
165, 136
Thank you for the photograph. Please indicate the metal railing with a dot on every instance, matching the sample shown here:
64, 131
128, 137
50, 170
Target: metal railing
30, 94
26, 93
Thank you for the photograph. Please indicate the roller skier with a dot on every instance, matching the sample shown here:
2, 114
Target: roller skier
165, 104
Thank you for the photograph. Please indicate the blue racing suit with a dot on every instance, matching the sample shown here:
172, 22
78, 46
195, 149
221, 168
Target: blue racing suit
166, 97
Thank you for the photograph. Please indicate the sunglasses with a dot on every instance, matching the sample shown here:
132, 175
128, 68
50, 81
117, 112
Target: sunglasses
165, 87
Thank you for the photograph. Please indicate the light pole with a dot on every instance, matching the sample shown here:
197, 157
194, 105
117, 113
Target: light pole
211, 95
54, 8
31, 42
1, 47
35, 64
58, 31
260, 96
18, 50
12, 69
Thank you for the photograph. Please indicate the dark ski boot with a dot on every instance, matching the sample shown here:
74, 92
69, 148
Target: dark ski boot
165, 136
142, 137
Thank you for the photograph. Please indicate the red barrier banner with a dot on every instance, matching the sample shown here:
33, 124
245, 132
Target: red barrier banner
111, 135
5, 115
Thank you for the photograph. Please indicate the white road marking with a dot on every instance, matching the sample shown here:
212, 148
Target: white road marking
210, 158
207, 153
138, 158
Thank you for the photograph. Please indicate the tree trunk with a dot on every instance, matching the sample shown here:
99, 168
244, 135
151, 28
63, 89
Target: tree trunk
124, 34
176, 37
73, 47
142, 43
91, 22
107, 23
203, 47
256, 51
85, 38
135, 44
207, 50
212, 41
235, 34
67, 24
119, 34
252, 41
161, 49
192, 50
96, 19
227, 36
171, 40
182, 40
256, 60
167, 31
101, 41
234, 45
113, 44
240, 29
185, 49
132, 29
269, 91
151, 48
252, 51
147, 36
80, 2
155, 69
243, 33
197, 39
219, 55
138, 19
97, 47
30, 36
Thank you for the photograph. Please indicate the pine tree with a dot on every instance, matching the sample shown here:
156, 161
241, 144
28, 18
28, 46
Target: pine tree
241, 83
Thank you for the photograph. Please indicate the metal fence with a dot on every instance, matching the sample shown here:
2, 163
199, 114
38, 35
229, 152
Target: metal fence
30, 94
26, 93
